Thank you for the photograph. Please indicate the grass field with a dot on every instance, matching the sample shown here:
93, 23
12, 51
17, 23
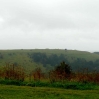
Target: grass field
26, 92
39, 89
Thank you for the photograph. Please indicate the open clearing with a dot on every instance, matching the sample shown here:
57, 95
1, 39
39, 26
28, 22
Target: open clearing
26, 92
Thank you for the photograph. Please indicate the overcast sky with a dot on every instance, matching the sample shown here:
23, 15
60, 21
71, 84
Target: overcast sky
54, 24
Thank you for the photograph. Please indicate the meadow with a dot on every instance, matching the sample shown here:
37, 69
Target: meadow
59, 83
27, 92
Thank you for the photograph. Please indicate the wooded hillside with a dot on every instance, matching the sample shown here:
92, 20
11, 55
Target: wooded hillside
47, 59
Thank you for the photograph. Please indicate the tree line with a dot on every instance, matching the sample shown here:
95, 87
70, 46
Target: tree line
53, 60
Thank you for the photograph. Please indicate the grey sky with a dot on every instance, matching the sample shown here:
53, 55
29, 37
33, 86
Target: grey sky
29, 24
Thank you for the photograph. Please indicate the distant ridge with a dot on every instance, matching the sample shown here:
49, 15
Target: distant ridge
47, 59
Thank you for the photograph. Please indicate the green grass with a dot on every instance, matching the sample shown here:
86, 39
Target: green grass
26, 92
63, 85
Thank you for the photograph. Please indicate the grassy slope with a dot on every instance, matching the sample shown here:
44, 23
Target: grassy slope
25, 92
21, 56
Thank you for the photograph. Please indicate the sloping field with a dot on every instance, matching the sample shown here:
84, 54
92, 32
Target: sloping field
21, 57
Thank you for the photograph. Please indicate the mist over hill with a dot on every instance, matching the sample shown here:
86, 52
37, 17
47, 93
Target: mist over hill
47, 59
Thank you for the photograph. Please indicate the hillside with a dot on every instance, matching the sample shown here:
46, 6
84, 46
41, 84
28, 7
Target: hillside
49, 58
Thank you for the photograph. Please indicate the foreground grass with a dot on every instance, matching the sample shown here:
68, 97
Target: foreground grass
64, 85
27, 92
